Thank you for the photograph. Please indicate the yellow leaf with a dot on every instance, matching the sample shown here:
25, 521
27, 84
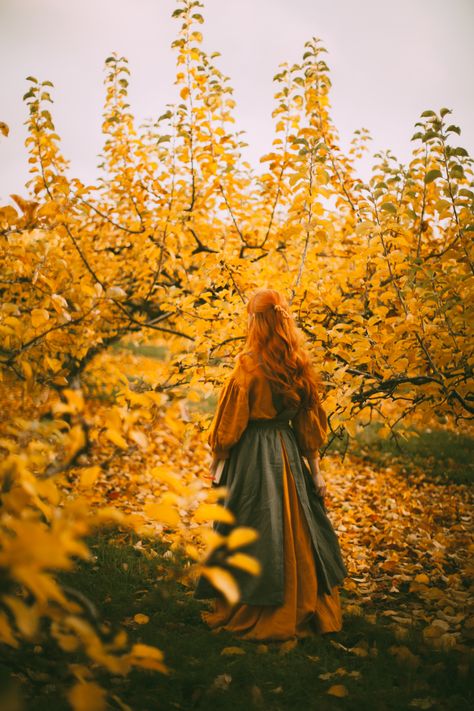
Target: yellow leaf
26, 616
338, 690
89, 475
213, 512
232, 650
49, 208
245, 562
87, 696
223, 581
139, 437
162, 473
148, 657
141, 619
76, 440
241, 536
27, 369
39, 317
422, 578
163, 513
6, 634
116, 438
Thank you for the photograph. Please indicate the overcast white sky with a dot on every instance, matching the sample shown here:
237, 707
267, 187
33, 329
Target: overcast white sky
389, 62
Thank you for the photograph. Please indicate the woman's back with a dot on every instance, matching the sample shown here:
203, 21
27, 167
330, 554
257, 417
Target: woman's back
248, 395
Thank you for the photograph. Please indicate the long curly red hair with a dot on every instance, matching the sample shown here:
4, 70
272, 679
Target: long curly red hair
274, 336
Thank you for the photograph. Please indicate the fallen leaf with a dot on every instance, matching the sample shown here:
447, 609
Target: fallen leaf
232, 650
338, 690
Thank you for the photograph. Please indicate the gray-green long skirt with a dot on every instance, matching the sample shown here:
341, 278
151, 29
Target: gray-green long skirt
253, 475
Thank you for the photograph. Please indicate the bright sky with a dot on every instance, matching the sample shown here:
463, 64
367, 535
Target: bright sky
389, 61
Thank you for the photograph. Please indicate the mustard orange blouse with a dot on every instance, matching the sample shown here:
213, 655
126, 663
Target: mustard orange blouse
245, 395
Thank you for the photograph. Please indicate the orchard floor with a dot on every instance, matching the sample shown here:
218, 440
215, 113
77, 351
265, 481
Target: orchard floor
407, 631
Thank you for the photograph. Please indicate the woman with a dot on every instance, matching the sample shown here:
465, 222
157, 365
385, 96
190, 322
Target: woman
268, 417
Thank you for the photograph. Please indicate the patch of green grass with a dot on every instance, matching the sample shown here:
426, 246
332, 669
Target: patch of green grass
121, 582
444, 456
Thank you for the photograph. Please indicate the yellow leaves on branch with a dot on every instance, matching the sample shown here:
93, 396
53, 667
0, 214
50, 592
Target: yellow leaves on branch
245, 562
223, 581
87, 696
163, 513
213, 512
241, 536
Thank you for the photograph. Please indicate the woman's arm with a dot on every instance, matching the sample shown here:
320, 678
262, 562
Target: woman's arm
214, 464
316, 474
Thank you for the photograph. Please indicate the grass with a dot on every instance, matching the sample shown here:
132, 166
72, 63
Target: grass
122, 582
444, 456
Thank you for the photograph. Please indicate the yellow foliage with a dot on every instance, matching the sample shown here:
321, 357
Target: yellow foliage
123, 303
223, 581
245, 562
213, 512
87, 696
164, 513
241, 536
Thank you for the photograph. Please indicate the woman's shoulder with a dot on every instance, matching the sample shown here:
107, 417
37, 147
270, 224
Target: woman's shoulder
246, 367
249, 361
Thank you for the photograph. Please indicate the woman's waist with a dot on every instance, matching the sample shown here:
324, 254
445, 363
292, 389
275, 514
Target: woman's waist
269, 422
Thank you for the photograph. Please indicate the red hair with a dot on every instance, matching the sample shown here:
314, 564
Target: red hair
274, 336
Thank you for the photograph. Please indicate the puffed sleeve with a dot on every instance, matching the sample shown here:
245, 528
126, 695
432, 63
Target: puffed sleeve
311, 428
230, 419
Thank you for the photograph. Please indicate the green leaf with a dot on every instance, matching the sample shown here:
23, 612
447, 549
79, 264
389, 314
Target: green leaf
457, 172
432, 175
456, 129
428, 113
416, 136
389, 207
444, 111
30, 78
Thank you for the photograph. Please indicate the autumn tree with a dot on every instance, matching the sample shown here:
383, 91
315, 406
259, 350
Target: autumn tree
162, 252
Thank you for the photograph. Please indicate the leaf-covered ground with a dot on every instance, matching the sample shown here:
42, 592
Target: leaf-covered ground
408, 629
